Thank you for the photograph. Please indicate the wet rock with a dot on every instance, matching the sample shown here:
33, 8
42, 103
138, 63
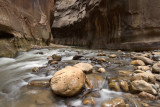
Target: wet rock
145, 105
146, 95
137, 63
141, 85
41, 53
116, 102
94, 94
97, 81
56, 57
85, 67
89, 101
143, 68
52, 62
156, 57
156, 67
114, 86
101, 60
35, 69
148, 77
39, 83
68, 81
145, 55
124, 86
41, 101
112, 56
101, 54
144, 59
77, 57
49, 58
101, 70
120, 78
139, 71
157, 77
125, 73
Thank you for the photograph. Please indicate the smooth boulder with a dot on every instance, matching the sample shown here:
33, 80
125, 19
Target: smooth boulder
146, 60
137, 63
141, 85
68, 81
148, 77
101, 70
156, 67
85, 67
112, 56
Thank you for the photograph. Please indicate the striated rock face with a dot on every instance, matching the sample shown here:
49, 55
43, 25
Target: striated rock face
23, 21
113, 24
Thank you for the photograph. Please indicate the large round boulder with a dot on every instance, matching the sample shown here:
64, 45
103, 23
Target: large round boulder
68, 81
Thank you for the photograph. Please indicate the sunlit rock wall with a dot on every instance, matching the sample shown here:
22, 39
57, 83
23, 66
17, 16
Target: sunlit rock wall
112, 24
23, 21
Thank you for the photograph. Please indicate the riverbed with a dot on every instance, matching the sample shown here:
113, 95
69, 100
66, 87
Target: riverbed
16, 73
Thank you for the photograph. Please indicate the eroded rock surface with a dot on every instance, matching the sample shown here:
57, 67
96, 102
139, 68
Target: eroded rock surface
113, 24
24, 23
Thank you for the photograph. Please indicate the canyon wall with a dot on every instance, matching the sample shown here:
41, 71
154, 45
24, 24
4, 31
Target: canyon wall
24, 23
112, 24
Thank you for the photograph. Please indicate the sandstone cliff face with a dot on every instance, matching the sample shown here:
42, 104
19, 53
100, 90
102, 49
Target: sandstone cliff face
113, 24
24, 23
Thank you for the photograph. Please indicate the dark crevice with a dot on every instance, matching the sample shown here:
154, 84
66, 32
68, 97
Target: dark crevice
5, 35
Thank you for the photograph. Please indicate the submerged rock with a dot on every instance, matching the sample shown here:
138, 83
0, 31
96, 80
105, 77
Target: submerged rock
116, 102
35, 69
97, 81
85, 67
68, 81
39, 83
125, 73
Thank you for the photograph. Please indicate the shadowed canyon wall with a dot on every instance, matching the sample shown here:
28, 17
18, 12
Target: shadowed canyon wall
24, 23
112, 24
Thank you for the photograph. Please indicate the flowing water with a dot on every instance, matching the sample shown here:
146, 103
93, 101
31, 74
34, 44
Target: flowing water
16, 73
